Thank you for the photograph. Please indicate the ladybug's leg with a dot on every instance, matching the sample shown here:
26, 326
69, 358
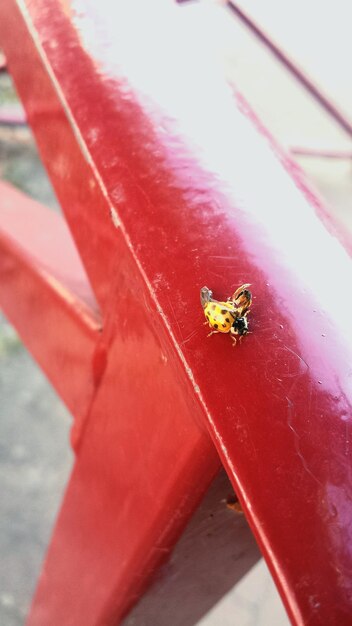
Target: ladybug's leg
233, 334
213, 332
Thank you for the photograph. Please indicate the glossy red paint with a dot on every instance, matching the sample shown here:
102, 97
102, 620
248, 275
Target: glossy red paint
143, 463
167, 186
45, 293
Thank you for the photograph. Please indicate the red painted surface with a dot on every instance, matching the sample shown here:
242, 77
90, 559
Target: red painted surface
151, 136
45, 293
142, 466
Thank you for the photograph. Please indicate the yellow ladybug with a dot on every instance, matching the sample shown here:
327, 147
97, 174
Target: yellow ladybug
229, 316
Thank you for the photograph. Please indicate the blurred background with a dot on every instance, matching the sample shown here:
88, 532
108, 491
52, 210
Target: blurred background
35, 458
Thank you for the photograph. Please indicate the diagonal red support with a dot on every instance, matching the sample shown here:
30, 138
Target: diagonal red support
45, 293
142, 466
167, 186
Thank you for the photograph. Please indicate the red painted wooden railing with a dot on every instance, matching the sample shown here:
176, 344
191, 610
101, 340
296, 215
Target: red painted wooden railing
169, 182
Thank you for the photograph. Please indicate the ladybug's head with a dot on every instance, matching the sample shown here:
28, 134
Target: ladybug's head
241, 325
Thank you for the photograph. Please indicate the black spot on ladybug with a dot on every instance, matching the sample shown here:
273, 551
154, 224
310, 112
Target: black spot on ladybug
224, 325
223, 311
208, 316
227, 319
215, 325
213, 306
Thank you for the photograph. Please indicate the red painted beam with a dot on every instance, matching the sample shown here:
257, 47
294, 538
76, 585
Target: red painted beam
44, 292
168, 186
142, 466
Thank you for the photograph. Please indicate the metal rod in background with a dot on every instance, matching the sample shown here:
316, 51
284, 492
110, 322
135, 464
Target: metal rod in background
321, 153
323, 100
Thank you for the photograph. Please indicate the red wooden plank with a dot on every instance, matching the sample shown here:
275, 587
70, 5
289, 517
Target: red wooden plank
143, 464
199, 197
77, 183
45, 293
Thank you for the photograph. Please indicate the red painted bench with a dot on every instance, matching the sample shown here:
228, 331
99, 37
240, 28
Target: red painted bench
168, 182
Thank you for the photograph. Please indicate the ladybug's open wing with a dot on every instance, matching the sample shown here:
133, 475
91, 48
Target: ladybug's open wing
205, 296
242, 299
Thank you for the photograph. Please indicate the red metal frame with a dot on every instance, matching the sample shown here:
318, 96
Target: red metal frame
167, 186
41, 267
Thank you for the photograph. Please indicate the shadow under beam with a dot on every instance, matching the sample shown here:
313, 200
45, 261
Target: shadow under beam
215, 551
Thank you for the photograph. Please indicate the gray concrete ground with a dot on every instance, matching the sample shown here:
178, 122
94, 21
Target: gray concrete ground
35, 462
35, 458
